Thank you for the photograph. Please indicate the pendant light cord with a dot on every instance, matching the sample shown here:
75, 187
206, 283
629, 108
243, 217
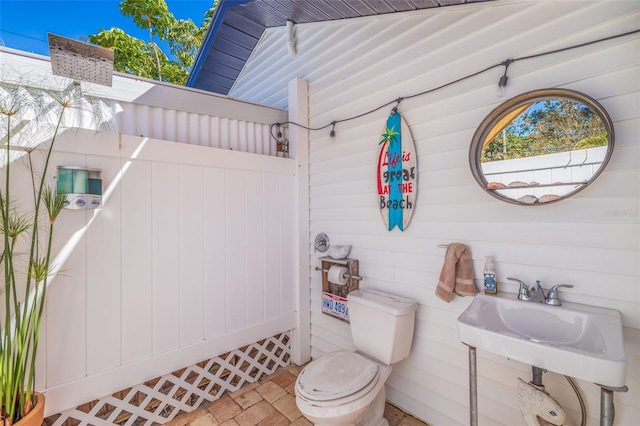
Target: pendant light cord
397, 101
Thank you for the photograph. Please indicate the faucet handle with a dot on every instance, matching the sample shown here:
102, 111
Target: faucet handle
523, 292
552, 297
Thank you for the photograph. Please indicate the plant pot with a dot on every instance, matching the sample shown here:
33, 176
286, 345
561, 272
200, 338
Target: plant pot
33, 417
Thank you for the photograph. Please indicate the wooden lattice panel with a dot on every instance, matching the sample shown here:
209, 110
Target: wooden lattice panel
163, 398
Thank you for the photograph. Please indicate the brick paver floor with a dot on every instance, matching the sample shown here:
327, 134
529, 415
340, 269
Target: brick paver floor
269, 402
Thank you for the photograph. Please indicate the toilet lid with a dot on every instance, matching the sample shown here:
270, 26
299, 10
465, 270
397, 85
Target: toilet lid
336, 375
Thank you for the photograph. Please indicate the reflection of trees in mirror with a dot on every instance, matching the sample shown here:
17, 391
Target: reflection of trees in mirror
547, 127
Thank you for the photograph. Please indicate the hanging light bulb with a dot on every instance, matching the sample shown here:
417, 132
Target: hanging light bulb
502, 84
332, 133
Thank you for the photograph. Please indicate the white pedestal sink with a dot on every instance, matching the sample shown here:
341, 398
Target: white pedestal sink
576, 340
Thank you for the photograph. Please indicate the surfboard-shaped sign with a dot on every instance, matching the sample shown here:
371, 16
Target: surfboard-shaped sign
397, 174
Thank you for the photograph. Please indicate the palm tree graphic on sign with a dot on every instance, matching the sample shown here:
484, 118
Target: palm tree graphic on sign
388, 137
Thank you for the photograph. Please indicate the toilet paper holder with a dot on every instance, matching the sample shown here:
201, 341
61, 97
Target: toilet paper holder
334, 296
355, 277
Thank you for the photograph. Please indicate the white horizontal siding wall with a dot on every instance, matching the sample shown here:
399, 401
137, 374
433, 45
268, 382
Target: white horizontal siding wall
591, 240
189, 257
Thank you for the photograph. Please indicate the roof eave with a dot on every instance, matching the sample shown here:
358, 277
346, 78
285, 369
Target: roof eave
210, 37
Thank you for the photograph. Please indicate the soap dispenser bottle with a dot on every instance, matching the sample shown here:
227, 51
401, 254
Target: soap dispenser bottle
490, 284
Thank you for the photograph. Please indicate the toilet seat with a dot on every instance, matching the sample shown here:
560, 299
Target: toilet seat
337, 378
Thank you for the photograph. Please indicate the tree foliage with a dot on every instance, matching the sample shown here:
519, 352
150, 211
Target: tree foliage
152, 15
145, 58
547, 127
131, 55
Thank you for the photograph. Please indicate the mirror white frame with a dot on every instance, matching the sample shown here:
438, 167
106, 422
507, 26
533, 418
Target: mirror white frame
541, 179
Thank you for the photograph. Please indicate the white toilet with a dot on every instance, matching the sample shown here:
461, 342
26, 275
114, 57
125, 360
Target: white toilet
347, 388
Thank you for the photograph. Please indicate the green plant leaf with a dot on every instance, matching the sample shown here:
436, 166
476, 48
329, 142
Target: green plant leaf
54, 203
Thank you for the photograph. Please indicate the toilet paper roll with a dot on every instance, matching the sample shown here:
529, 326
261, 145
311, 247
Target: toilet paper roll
338, 275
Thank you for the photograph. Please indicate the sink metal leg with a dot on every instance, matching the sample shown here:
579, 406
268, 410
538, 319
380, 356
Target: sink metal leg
473, 388
536, 376
607, 409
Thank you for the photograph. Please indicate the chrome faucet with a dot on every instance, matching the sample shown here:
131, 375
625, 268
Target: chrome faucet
536, 294
552, 296
523, 292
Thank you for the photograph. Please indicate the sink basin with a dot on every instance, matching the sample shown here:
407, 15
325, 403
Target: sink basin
577, 340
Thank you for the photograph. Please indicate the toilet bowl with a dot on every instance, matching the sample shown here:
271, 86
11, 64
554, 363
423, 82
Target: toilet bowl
343, 388
347, 387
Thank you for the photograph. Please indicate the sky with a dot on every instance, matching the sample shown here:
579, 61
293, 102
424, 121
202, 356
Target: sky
24, 24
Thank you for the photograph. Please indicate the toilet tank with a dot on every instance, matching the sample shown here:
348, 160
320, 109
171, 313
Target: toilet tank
381, 324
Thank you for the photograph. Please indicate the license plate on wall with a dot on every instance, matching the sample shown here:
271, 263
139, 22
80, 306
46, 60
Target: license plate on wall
335, 306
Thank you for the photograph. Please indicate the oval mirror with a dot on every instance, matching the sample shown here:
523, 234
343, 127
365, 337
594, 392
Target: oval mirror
541, 147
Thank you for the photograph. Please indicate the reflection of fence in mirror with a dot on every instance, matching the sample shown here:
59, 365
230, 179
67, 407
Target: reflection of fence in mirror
557, 174
541, 146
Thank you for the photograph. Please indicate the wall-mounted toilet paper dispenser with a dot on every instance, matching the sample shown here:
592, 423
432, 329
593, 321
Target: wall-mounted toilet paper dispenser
339, 278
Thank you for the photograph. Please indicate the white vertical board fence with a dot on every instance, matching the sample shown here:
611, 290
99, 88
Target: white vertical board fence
591, 240
190, 256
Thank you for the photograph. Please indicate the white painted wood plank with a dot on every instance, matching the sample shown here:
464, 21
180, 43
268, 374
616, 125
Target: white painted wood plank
273, 252
66, 296
257, 246
236, 250
66, 317
287, 244
191, 255
166, 257
215, 254
413, 405
103, 275
136, 258
300, 239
